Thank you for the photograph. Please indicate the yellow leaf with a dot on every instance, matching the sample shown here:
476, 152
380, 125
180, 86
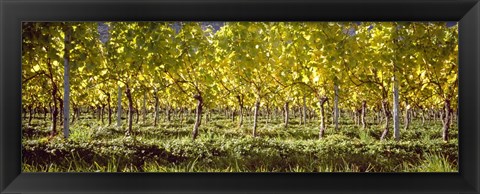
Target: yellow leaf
422, 75
305, 79
120, 50
36, 67
121, 84
452, 78
307, 37
103, 72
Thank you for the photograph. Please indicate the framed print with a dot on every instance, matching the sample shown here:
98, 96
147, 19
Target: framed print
239, 96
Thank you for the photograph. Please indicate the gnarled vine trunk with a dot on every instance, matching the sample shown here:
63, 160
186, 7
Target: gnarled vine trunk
109, 109
255, 117
285, 109
54, 111
54, 108
240, 110
30, 115
130, 110
335, 107
119, 107
322, 101
60, 111
387, 114
45, 111
364, 113
102, 112
447, 120
74, 117
198, 115
396, 120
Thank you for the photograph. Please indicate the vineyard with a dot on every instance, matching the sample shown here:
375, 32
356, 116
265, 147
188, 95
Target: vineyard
239, 97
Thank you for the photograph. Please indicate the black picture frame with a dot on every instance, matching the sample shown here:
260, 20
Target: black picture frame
13, 12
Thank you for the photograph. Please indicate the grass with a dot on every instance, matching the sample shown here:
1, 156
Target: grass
224, 147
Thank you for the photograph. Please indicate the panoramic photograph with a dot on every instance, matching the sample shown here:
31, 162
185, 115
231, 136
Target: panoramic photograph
239, 97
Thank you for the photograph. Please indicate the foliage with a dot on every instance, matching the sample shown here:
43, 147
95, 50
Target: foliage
222, 81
